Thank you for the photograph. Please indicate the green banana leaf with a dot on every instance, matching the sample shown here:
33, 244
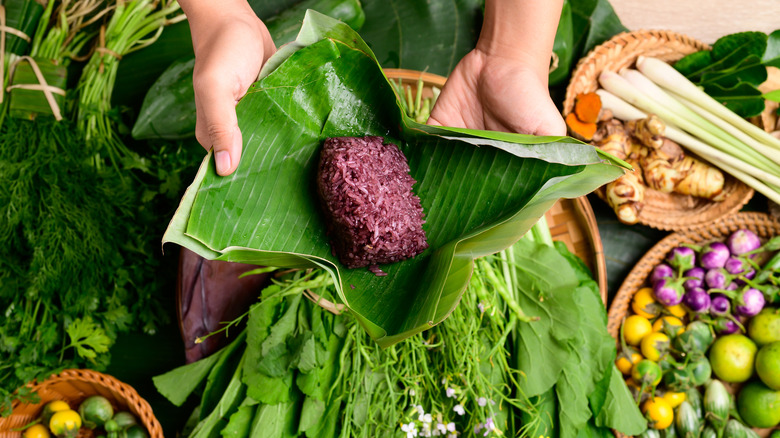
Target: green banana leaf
480, 190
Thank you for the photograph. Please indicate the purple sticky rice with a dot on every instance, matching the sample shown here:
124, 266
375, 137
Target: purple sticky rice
373, 217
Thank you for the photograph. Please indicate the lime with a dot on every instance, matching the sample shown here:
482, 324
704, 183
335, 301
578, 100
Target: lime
732, 357
768, 365
758, 405
764, 327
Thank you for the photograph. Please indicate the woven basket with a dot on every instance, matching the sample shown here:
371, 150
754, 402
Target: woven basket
665, 211
571, 221
762, 224
73, 386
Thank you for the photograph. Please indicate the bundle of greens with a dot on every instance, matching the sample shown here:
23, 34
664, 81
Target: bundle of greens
523, 328
734, 68
79, 259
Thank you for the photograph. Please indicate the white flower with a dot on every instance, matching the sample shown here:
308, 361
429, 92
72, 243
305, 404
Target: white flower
459, 409
477, 428
419, 409
451, 427
436, 433
441, 428
410, 429
452, 435
450, 392
482, 401
427, 419
412, 392
444, 381
489, 426
481, 307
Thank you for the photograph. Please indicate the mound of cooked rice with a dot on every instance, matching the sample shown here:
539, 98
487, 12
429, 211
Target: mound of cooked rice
372, 214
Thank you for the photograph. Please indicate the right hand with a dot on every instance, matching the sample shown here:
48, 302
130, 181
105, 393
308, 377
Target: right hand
231, 45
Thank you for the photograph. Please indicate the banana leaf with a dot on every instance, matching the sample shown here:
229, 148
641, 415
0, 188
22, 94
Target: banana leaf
480, 190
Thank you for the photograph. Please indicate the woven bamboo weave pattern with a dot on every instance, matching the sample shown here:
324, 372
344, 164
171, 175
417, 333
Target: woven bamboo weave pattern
73, 386
665, 211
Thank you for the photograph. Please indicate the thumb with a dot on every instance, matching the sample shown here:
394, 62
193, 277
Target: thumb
217, 127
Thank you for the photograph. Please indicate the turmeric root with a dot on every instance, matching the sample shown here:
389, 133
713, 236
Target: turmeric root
580, 130
587, 107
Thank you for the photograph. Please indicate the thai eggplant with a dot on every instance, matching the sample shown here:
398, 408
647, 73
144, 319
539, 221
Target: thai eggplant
697, 300
743, 241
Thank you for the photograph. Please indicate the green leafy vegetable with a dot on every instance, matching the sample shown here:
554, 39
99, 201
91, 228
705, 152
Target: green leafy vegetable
87, 338
286, 115
733, 69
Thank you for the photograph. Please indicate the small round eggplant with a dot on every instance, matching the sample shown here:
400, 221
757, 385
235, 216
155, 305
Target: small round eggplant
719, 304
668, 293
682, 258
717, 278
695, 278
714, 255
725, 326
736, 265
660, 272
750, 302
742, 241
697, 300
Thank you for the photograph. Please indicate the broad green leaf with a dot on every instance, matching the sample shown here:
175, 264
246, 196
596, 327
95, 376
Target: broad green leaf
432, 35
221, 374
216, 420
594, 21
744, 98
691, 65
240, 423
773, 95
563, 46
277, 420
620, 411
741, 44
748, 70
176, 385
480, 190
772, 54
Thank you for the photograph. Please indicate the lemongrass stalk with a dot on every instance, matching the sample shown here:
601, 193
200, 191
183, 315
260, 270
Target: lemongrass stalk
768, 191
740, 135
656, 93
625, 111
619, 86
621, 109
668, 77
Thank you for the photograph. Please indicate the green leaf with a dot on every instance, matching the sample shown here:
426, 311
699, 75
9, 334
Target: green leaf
563, 46
218, 418
240, 423
773, 95
742, 43
87, 337
168, 110
432, 35
329, 84
748, 70
691, 65
744, 98
594, 21
277, 420
311, 413
176, 385
772, 54
620, 411
221, 374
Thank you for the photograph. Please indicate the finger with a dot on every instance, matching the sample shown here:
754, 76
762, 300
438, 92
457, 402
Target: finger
217, 125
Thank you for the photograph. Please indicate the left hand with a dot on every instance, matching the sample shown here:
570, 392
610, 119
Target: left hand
499, 94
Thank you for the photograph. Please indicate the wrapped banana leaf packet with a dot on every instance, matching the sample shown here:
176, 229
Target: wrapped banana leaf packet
480, 190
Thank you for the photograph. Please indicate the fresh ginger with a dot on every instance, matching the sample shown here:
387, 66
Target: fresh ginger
626, 196
700, 179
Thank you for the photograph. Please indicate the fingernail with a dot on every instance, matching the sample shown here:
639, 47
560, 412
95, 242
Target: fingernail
223, 162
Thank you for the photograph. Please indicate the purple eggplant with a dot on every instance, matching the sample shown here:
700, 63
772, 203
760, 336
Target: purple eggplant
668, 292
682, 258
697, 300
737, 265
694, 278
719, 304
717, 278
750, 302
742, 241
714, 255
660, 272
725, 326
732, 286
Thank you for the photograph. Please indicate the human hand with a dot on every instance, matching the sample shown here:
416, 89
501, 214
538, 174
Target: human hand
498, 94
231, 45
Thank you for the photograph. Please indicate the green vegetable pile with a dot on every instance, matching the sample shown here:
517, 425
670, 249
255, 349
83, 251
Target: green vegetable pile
732, 71
80, 218
526, 352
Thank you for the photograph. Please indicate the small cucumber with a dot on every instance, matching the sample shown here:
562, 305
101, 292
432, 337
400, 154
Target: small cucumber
716, 404
688, 424
735, 429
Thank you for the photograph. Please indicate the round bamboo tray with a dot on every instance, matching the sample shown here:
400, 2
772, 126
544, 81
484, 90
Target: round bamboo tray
571, 221
73, 386
665, 211
762, 224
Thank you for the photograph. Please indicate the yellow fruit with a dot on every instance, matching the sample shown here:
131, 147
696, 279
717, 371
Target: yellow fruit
644, 304
36, 431
659, 412
635, 328
51, 407
658, 325
654, 346
674, 398
677, 310
65, 423
624, 364
732, 357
